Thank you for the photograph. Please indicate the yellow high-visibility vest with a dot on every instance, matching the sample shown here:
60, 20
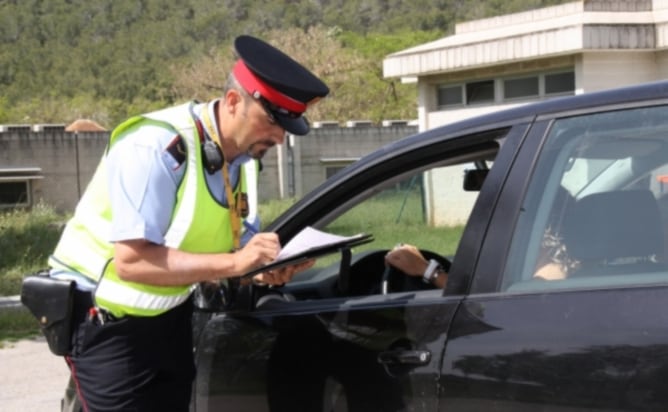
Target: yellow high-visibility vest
199, 224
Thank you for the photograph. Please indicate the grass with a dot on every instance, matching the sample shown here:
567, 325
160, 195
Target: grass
17, 324
27, 237
394, 216
268, 211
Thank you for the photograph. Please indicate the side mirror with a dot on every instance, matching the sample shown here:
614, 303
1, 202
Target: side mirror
474, 178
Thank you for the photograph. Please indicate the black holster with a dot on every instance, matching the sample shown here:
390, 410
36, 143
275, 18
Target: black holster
50, 301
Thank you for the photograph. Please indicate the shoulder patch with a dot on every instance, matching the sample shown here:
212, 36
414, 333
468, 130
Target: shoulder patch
177, 151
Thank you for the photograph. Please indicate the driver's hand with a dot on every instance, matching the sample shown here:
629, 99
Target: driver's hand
283, 275
408, 259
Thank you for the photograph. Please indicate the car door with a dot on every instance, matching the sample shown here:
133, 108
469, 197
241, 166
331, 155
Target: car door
582, 208
332, 340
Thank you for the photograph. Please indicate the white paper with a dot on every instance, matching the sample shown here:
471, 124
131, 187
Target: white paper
309, 238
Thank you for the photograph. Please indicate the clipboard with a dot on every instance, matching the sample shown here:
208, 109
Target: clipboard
319, 249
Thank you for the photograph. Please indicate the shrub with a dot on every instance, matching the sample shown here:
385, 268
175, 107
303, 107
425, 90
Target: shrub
27, 238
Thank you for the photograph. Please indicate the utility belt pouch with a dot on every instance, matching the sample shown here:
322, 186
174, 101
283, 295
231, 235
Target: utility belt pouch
50, 301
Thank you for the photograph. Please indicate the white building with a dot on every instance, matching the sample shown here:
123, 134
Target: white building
505, 61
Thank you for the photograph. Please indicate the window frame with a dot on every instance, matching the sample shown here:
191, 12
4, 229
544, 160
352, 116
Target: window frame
499, 89
25, 175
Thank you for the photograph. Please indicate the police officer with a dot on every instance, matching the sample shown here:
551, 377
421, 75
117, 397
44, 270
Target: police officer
165, 211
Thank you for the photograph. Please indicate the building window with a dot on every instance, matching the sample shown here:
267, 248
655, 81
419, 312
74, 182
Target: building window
14, 194
480, 92
333, 165
518, 88
449, 96
558, 83
332, 170
16, 186
483, 92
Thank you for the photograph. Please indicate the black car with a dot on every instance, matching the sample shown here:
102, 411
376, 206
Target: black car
556, 220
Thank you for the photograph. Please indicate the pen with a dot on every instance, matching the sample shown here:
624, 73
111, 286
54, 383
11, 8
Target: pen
250, 228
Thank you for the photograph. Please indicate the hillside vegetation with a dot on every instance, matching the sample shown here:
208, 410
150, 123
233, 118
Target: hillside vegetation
103, 59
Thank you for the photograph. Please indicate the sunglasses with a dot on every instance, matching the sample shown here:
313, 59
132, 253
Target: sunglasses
271, 108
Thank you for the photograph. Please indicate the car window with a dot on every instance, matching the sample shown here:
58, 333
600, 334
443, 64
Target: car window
595, 211
427, 209
423, 196
402, 213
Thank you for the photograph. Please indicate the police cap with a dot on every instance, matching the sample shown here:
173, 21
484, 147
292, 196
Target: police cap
284, 87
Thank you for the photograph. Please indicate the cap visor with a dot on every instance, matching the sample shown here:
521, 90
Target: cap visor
298, 126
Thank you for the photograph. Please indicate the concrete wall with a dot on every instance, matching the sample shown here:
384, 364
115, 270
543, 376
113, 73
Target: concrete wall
337, 147
446, 203
604, 70
68, 160
617, 5
662, 63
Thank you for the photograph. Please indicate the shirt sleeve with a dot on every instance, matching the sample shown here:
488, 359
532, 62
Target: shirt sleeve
143, 177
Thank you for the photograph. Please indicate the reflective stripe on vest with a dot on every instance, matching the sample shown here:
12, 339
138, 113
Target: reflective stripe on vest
120, 297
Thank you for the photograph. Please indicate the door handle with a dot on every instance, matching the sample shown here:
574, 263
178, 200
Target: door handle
404, 357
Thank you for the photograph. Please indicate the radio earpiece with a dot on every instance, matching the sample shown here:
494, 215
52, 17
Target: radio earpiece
212, 156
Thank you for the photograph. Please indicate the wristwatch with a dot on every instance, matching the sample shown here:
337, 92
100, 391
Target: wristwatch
431, 273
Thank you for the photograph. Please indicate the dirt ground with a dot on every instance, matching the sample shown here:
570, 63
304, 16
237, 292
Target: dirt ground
32, 379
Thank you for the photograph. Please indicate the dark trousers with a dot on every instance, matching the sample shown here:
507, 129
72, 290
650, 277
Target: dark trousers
134, 363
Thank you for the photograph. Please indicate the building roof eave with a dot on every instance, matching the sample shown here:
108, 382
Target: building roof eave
529, 35
561, 41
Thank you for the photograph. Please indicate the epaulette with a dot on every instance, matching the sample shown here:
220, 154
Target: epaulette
177, 150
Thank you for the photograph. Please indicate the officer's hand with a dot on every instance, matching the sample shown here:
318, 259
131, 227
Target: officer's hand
260, 250
282, 275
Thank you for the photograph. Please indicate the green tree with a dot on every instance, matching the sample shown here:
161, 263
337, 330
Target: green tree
60, 59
